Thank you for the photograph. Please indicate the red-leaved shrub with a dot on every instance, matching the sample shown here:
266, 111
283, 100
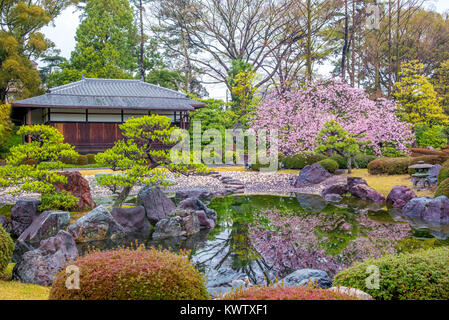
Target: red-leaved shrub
133, 274
285, 293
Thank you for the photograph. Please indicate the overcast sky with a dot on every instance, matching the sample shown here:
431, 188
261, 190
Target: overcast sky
63, 35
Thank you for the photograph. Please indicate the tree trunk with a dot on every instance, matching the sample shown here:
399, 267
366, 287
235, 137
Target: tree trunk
122, 197
356, 165
349, 164
345, 46
142, 43
309, 70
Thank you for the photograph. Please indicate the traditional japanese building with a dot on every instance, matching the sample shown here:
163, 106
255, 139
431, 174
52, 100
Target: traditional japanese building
88, 112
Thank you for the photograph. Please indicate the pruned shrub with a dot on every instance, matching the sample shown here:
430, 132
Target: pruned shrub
329, 164
419, 152
6, 249
82, 160
301, 160
91, 158
58, 201
443, 189
342, 162
392, 166
364, 159
133, 274
420, 275
444, 172
285, 293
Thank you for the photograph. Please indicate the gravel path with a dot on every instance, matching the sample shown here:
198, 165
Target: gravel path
253, 182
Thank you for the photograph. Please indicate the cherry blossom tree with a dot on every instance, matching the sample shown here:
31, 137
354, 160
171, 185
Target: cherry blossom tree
300, 115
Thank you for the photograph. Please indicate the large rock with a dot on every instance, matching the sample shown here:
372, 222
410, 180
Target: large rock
339, 187
79, 187
23, 214
157, 205
199, 193
400, 196
207, 217
41, 265
46, 225
367, 193
433, 174
311, 175
98, 224
303, 277
429, 210
354, 181
19, 250
168, 228
416, 207
133, 220
6, 224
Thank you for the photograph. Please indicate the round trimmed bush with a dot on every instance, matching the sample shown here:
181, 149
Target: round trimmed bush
133, 274
301, 160
364, 159
285, 293
6, 249
444, 172
329, 164
91, 158
342, 162
420, 275
443, 189
82, 160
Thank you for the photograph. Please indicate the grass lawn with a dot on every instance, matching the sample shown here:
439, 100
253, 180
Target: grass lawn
384, 183
13, 290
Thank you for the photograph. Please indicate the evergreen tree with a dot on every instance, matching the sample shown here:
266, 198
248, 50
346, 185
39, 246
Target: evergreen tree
106, 43
417, 100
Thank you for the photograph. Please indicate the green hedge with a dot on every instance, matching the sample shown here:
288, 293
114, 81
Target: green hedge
393, 166
420, 275
6, 249
329, 164
301, 160
443, 189
444, 172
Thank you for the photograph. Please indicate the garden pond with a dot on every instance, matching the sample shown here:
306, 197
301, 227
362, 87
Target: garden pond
262, 237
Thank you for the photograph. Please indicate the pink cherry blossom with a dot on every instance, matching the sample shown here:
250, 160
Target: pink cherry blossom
299, 115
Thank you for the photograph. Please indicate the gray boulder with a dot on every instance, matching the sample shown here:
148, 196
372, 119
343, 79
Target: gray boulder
433, 174
157, 205
303, 277
98, 224
19, 250
46, 225
23, 214
41, 265
353, 181
332, 197
435, 211
169, 228
339, 187
133, 220
400, 196
367, 193
311, 175
416, 207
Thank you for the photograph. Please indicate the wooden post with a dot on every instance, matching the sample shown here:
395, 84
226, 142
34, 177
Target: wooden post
29, 123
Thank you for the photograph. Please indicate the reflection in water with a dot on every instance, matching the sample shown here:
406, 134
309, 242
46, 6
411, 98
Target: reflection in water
260, 237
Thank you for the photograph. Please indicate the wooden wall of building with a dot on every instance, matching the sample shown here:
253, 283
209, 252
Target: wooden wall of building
89, 137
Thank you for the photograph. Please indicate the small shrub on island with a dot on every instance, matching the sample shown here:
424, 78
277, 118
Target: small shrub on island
444, 172
443, 189
62, 200
6, 249
329, 164
285, 293
133, 274
301, 160
419, 275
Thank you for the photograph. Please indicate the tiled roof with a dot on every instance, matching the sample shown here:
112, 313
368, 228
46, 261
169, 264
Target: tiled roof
111, 94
